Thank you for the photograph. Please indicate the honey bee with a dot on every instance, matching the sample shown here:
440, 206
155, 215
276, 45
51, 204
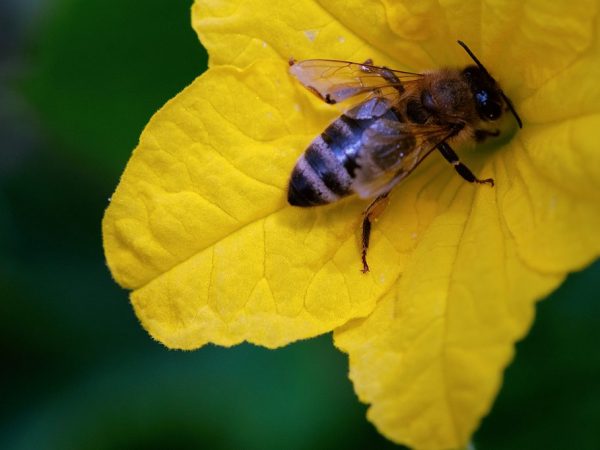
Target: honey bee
403, 118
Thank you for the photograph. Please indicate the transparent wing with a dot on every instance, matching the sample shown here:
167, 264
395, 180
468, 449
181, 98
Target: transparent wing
334, 81
391, 150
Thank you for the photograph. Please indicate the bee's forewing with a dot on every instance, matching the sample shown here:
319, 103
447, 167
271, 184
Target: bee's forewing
335, 81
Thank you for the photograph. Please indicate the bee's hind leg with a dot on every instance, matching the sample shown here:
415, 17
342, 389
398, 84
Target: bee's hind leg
369, 215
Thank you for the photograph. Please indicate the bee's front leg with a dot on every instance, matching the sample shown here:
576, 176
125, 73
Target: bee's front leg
460, 168
482, 135
371, 213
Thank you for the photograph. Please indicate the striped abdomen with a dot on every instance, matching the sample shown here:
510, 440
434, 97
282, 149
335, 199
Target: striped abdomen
328, 169
325, 171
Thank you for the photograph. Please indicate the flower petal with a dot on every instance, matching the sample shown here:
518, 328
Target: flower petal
551, 204
238, 32
429, 358
545, 37
554, 221
200, 229
571, 93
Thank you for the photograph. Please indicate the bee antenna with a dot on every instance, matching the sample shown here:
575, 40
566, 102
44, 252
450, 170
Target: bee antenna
512, 109
481, 66
473, 57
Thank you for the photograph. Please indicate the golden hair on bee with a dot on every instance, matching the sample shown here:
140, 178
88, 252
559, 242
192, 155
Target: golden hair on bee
402, 118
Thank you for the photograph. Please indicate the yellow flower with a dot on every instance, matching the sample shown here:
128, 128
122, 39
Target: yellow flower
200, 231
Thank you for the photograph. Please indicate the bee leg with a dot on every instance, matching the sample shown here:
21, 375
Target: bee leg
370, 214
462, 170
482, 135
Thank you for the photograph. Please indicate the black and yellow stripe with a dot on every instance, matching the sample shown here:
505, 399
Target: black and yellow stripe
324, 173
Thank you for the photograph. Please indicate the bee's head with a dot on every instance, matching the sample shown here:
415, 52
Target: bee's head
489, 98
486, 94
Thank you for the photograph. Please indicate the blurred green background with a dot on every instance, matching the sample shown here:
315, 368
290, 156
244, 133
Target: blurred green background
78, 82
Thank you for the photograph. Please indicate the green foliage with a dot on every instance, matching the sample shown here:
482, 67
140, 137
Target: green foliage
100, 68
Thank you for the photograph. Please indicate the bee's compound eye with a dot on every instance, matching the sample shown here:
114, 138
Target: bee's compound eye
488, 108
